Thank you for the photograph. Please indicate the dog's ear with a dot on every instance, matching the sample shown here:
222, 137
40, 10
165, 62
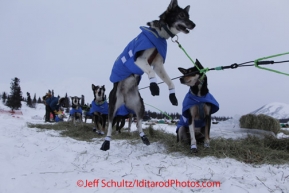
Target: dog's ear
204, 89
187, 9
173, 4
103, 87
92, 86
199, 64
182, 70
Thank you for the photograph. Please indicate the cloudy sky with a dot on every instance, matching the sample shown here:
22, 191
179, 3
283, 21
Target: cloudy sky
67, 45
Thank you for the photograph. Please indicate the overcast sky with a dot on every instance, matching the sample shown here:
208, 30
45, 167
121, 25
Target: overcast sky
67, 45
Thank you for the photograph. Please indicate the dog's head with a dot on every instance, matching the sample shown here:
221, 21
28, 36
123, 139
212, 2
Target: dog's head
191, 77
99, 93
62, 102
177, 19
75, 101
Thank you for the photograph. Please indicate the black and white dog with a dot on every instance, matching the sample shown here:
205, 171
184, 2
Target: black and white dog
198, 105
75, 113
99, 109
145, 54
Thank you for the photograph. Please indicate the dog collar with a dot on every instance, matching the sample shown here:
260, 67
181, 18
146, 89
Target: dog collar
167, 30
99, 103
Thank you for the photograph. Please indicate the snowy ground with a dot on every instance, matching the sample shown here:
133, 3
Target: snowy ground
34, 161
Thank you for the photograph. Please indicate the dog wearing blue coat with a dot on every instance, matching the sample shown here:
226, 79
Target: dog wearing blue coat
146, 53
198, 105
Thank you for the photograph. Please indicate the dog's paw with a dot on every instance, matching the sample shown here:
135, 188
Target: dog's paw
173, 99
145, 140
105, 146
155, 90
194, 148
206, 145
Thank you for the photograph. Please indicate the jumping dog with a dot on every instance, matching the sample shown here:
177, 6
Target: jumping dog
198, 105
145, 54
75, 113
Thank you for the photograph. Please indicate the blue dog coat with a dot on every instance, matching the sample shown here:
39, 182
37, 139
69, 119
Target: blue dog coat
73, 111
57, 119
100, 108
123, 111
124, 65
191, 100
184, 122
103, 109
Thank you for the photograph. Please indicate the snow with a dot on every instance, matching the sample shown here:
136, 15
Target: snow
33, 161
275, 109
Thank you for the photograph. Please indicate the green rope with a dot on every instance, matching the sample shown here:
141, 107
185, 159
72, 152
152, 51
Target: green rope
202, 71
160, 111
269, 69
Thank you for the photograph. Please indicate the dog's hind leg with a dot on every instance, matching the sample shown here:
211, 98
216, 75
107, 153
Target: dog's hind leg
116, 99
193, 112
130, 116
135, 102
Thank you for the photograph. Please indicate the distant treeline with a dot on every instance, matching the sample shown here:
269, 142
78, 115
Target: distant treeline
13, 100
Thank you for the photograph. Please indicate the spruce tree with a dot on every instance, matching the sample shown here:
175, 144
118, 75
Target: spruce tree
4, 97
67, 101
29, 101
15, 97
82, 100
34, 101
39, 100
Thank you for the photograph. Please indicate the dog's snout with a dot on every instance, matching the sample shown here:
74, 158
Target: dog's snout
191, 25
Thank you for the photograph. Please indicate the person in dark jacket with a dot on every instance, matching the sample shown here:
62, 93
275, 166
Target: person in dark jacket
51, 106
48, 110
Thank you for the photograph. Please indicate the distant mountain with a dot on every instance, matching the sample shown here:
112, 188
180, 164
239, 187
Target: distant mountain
276, 110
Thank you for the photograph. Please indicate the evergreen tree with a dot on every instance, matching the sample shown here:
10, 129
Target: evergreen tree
15, 97
29, 101
82, 100
39, 100
34, 101
67, 103
4, 97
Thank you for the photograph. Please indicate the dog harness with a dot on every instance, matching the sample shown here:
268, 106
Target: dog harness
74, 110
191, 100
124, 65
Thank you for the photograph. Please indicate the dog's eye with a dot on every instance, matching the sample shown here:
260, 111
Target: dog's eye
182, 15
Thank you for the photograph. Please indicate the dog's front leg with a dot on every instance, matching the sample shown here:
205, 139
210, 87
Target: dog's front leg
193, 138
193, 114
161, 72
208, 125
143, 64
